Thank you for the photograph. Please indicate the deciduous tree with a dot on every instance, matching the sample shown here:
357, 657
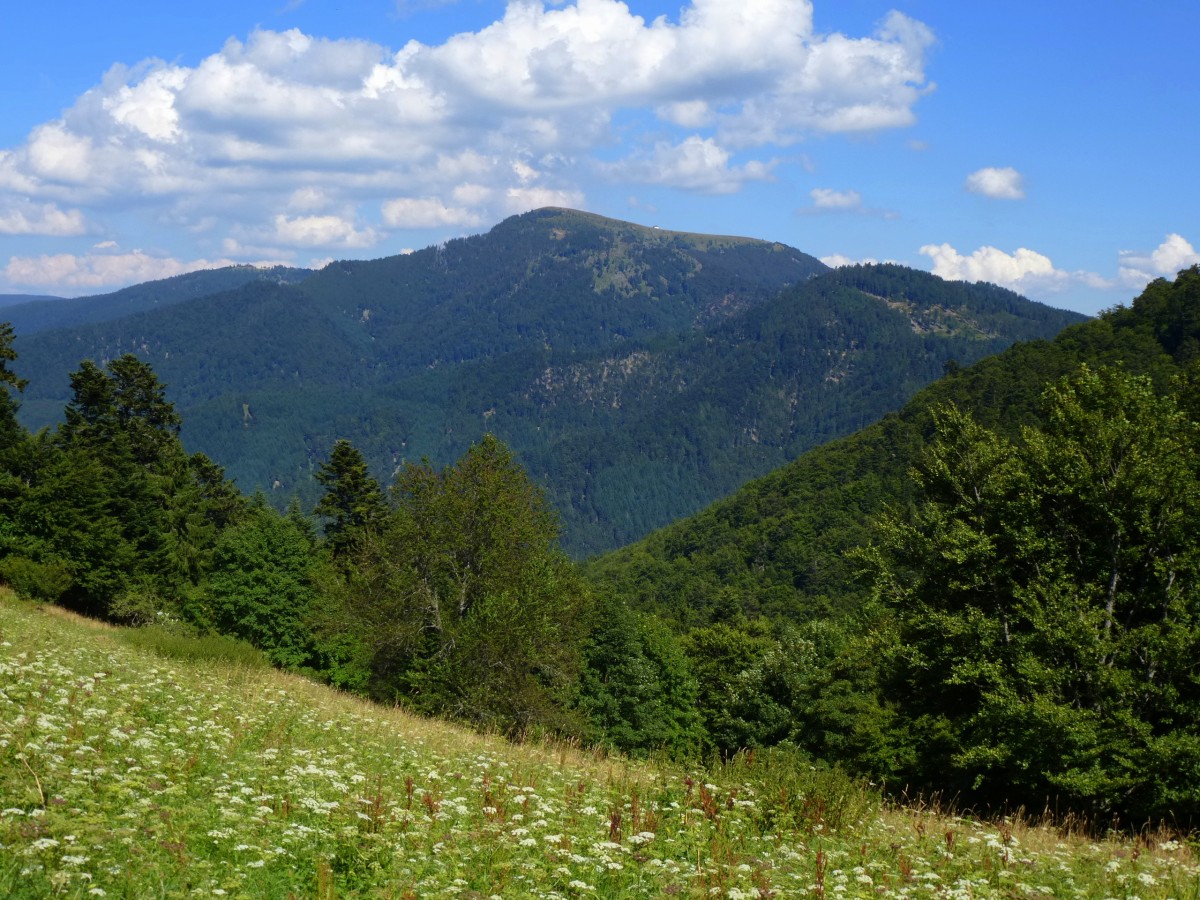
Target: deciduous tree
1049, 607
467, 603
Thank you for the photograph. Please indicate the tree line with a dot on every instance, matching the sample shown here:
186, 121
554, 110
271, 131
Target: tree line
447, 592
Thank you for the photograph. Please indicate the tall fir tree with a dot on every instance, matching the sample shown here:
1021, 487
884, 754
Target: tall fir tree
353, 502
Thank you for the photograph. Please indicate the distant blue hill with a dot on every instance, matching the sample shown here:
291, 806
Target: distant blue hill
31, 314
7, 300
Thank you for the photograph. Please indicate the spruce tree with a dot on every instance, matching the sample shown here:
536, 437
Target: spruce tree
353, 502
10, 431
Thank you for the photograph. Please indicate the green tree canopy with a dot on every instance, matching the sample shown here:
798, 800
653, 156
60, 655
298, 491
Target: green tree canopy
353, 502
113, 499
465, 600
262, 584
1048, 606
637, 687
10, 430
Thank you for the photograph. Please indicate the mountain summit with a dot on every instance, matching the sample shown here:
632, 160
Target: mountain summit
639, 373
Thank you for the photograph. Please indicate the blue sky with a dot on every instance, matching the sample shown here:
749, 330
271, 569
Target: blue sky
1048, 147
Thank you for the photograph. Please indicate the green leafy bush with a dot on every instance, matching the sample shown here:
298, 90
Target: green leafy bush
795, 793
33, 580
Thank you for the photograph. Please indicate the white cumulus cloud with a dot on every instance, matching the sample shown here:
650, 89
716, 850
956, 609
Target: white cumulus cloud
998, 184
98, 270
1136, 269
687, 113
838, 260
827, 198
321, 231
425, 212
44, 219
522, 199
1025, 271
314, 142
694, 164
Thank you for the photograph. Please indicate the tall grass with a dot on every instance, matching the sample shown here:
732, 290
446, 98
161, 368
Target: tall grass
135, 766
173, 643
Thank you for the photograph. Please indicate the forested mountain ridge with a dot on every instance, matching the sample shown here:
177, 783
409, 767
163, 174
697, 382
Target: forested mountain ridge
638, 373
819, 361
33, 314
10, 300
993, 594
778, 546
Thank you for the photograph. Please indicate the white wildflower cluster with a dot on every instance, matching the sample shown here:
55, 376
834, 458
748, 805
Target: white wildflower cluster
121, 769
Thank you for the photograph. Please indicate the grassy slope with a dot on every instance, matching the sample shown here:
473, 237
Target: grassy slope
125, 773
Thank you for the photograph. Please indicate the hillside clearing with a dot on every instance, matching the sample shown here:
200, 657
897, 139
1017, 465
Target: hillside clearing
128, 774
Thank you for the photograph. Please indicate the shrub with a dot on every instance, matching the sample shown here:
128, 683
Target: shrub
32, 580
795, 793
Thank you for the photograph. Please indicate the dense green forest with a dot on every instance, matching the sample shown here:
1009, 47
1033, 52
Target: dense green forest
638, 374
992, 594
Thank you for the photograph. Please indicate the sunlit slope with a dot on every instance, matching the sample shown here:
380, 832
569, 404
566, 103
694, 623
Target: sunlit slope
126, 773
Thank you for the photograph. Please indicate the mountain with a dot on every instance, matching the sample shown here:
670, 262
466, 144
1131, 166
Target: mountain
679, 425
778, 547
30, 315
638, 373
10, 300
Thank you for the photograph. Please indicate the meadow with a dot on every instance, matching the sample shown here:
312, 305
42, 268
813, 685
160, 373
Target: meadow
140, 764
